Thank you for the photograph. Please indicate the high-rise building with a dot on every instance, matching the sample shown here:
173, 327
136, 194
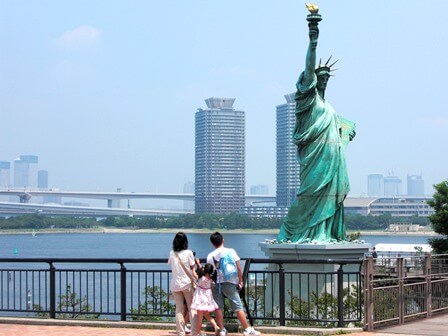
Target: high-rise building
42, 179
25, 171
260, 189
189, 189
375, 185
392, 186
416, 185
219, 157
288, 180
5, 173
42, 183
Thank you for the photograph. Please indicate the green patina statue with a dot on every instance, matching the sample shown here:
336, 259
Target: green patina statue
317, 214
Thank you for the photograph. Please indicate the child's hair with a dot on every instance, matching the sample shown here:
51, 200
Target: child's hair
206, 269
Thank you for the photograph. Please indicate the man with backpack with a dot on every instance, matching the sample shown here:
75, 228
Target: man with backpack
229, 279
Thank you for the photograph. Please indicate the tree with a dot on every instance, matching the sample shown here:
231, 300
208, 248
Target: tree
155, 305
439, 219
71, 305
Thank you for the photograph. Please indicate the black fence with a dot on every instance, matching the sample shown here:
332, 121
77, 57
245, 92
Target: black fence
278, 292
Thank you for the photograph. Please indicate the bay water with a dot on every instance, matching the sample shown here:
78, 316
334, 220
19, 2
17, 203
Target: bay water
146, 245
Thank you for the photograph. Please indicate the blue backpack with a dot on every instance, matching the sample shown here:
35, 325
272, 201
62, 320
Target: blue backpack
227, 269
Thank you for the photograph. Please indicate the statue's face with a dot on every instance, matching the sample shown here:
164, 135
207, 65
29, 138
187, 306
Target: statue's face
322, 80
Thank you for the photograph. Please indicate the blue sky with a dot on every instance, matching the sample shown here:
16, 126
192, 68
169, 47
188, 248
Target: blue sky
105, 92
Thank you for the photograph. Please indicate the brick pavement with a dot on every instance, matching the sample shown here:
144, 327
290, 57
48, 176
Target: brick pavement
435, 326
39, 330
44, 330
9, 328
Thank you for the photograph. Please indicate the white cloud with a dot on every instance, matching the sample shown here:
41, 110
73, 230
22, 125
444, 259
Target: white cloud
80, 37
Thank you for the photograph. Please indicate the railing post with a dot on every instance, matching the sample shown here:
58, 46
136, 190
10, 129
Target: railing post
52, 291
368, 296
401, 294
428, 292
340, 296
281, 298
123, 292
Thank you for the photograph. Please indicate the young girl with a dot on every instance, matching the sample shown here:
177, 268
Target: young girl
203, 298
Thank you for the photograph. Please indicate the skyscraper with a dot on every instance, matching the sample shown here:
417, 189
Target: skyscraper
392, 186
416, 185
219, 157
375, 185
42, 183
287, 166
42, 179
5, 173
25, 171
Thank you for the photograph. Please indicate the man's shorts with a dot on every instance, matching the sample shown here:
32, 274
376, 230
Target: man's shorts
230, 291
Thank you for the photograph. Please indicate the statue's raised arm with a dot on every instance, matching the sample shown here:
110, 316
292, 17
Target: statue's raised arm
310, 64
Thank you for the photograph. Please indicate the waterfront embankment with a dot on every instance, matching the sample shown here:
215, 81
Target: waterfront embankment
100, 229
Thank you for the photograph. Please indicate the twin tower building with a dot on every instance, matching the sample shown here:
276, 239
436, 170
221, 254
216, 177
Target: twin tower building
220, 156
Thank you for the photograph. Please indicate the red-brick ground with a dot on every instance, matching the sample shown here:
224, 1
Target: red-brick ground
434, 326
43, 330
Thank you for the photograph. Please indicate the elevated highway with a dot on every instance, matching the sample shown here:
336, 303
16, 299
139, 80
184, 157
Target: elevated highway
11, 209
25, 203
25, 195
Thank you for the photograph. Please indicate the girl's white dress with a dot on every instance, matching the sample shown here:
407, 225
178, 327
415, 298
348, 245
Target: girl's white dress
203, 297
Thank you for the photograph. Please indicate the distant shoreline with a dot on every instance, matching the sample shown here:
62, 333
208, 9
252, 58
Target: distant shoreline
198, 231
386, 233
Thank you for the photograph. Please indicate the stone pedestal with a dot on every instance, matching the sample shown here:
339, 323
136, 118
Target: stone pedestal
315, 278
355, 251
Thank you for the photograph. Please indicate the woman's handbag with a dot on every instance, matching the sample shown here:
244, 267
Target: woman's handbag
192, 279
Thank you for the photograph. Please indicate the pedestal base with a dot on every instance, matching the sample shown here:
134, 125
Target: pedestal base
355, 251
307, 281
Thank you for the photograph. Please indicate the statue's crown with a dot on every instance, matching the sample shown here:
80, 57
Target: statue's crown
325, 68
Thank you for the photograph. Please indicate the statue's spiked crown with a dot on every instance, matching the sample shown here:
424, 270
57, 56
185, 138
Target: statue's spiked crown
325, 68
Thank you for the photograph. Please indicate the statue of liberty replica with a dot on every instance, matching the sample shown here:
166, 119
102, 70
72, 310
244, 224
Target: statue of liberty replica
321, 136
314, 227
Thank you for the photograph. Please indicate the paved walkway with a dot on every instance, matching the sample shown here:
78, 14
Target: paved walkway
16, 327
436, 326
33, 330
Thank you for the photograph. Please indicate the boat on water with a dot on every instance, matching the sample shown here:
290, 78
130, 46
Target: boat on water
412, 255
394, 250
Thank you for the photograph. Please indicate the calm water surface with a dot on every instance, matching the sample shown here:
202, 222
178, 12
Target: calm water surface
144, 245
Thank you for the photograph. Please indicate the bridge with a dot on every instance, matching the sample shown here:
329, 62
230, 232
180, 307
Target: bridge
11, 209
24, 206
26, 194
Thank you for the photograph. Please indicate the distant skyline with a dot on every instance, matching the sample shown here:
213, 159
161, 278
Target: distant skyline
188, 186
105, 92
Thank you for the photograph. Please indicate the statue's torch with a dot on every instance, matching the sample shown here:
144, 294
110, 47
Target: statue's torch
314, 17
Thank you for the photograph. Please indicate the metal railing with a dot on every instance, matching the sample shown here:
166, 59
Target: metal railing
138, 289
331, 297
401, 289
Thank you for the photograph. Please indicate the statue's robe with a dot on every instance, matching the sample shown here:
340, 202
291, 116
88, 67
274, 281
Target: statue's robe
321, 137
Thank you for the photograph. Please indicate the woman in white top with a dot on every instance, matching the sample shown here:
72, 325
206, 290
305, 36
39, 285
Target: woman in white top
181, 282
